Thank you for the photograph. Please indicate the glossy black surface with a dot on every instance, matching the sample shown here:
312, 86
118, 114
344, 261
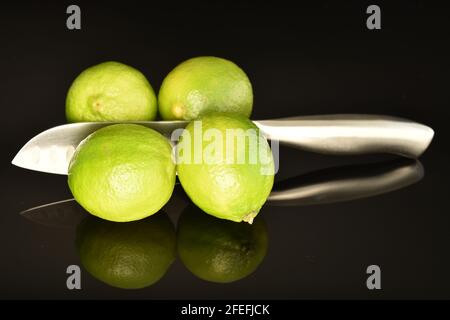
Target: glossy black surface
301, 60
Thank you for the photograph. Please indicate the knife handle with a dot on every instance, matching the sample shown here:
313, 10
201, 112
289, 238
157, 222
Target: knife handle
350, 134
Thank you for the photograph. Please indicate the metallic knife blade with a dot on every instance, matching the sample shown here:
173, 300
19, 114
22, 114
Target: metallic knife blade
339, 134
50, 151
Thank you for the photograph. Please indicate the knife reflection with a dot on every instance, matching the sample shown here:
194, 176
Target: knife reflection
346, 183
330, 185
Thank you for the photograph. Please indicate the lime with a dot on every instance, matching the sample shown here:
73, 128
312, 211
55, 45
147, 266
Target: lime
204, 84
110, 91
225, 166
122, 172
127, 255
219, 250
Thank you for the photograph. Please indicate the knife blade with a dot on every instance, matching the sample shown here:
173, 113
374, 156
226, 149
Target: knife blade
340, 134
51, 150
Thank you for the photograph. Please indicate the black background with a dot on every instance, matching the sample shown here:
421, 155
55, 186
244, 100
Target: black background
302, 60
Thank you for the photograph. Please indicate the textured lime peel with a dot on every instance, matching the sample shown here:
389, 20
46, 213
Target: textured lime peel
205, 84
233, 190
111, 91
122, 172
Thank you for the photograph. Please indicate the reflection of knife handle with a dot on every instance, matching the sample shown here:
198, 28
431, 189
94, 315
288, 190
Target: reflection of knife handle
350, 134
346, 183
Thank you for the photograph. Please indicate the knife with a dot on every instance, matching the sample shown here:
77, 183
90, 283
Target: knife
339, 134
336, 184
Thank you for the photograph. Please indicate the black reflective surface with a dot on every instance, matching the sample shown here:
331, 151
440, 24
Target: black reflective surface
307, 60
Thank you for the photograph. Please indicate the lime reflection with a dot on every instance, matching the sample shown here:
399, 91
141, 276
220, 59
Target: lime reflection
127, 255
219, 250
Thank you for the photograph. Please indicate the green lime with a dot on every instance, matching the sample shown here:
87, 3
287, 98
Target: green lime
225, 166
110, 91
122, 172
203, 84
219, 250
129, 255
